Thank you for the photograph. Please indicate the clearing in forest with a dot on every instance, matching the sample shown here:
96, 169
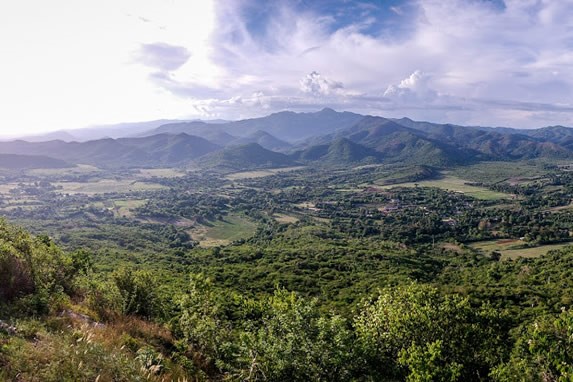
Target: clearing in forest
223, 232
514, 248
452, 183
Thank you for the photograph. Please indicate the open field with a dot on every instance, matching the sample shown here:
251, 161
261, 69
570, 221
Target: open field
160, 173
285, 219
124, 208
452, 183
510, 249
6, 187
493, 172
261, 173
106, 185
77, 170
223, 232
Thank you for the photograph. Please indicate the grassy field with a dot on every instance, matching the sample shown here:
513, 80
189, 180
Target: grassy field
161, 173
285, 219
106, 185
510, 249
124, 208
453, 183
260, 173
77, 170
493, 172
223, 232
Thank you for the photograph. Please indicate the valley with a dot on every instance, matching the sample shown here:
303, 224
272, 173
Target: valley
235, 238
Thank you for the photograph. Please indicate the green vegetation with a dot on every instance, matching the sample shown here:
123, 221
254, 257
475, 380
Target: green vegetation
512, 248
375, 271
225, 231
452, 183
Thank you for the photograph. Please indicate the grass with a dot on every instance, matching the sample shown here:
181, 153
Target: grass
493, 172
261, 173
512, 249
285, 219
161, 173
223, 232
453, 183
106, 185
78, 169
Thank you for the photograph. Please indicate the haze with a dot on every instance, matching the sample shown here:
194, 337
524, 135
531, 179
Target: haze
69, 64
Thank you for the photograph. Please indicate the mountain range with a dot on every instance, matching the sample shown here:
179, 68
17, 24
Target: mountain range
287, 138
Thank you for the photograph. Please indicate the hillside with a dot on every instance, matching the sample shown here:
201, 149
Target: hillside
291, 127
397, 143
341, 151
171, 149
264, 139
495, 144
249, 156
560, 135
22, 162
157, 150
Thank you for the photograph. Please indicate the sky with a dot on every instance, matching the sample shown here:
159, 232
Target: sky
73, 63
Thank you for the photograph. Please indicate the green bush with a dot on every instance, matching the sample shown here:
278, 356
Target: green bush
543, 352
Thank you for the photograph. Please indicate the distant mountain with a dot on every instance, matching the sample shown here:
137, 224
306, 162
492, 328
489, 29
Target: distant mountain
340, 152
286, 126
171, 149
158, 150
494, 143
561, 135
264, 139
397, 143
325, 136
61, 135
249, 156
25, 162
213, 132
292, 127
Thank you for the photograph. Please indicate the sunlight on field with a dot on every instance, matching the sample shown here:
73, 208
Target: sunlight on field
285, 219
106, 185
161, 173
6, 187
261, 173
452, 183
512, 249
492, 172
77, 170
223, 232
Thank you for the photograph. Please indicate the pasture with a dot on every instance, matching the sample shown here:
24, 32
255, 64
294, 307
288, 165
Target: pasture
512, 249
223, 232
453, 183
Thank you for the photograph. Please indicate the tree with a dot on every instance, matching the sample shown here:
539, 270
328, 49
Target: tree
407, 331
543, 352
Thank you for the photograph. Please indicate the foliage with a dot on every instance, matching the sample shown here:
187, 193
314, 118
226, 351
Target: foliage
139, 292
421, 329
294, 342
34, 271
543, 352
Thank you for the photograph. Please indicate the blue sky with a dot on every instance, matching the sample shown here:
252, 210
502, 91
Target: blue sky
69, 64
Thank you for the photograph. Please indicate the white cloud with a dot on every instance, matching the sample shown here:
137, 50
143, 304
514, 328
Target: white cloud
414, 88
318, 85
67, 64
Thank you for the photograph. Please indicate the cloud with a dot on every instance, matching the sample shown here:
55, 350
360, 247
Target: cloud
458, 61
414, 88
318, 85
162, 56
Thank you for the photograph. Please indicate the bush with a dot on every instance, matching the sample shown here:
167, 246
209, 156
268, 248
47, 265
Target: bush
35, 273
